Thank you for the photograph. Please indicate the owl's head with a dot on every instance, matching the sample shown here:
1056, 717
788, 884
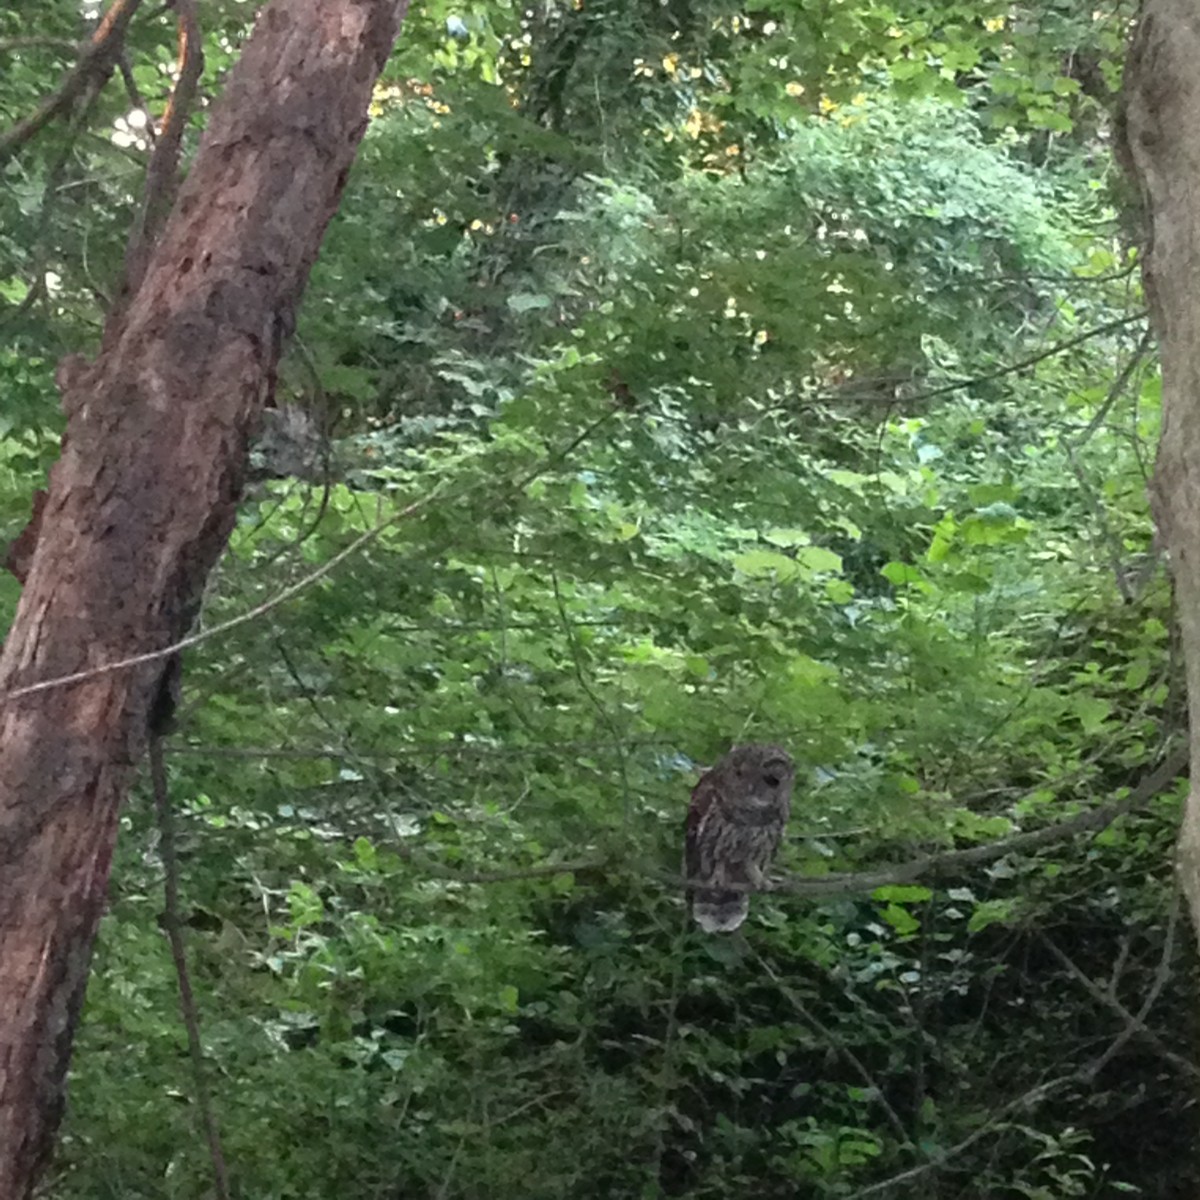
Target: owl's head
762, 776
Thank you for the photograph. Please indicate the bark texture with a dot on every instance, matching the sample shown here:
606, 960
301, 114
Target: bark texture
1160, 143
141, 503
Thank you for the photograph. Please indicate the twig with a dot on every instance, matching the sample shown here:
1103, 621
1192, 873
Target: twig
841, 883
1000, 372
851, 882
135, 94
8, 45
544, 871
1093, 818
1073, 446
187, 999
162, 172
1134, 1024
301, 585
573, 643
1114, 392
838, 1044
268, 605
50, 194
1034, 1096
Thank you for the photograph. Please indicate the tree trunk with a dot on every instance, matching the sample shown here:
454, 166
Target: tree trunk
140, 506
1160, 143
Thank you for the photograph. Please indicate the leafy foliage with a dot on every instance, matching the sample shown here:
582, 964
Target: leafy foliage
708, 375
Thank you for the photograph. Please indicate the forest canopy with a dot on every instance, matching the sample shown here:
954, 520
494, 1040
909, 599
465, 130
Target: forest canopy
671, 377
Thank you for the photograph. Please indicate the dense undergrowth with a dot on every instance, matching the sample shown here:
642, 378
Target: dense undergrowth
725, 417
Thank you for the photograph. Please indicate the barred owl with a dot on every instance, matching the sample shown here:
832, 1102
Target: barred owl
737, 816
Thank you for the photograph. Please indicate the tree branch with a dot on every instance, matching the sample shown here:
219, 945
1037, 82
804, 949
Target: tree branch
1091, 819
1027, 1099
162, 172
856, 1063
96, 63
1134, 1024
1000, 372
187, 999
301, 585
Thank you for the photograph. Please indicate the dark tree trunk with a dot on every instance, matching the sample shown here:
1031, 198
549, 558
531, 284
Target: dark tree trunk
140, 506
1161, 147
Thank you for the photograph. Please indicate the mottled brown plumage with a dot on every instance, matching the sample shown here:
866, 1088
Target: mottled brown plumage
736, 818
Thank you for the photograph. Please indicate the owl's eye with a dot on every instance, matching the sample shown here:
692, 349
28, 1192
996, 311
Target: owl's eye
774, 771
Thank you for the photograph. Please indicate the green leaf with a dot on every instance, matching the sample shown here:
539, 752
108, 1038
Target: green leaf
903, 893
1092, 712
527, 301
900, 919
787, 537
1136, 674
817, 558
991, 912
902, 574
760, 564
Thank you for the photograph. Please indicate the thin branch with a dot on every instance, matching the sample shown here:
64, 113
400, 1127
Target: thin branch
134, 93
96, 63
50, 195
1115, 392
606, 718
838, 1044
1104, 528
1091, 819
1000, 372
1027, 1099
1104, 531
844, 883
411, 750
162, 172
1134, 1024
301, 585
9, 45
187, 999
306, 692
837, 884
823, 887
260, 610
1065, 280
544, 871
1161, 975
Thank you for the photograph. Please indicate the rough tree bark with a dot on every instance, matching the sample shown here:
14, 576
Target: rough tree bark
141, 503
1159, 141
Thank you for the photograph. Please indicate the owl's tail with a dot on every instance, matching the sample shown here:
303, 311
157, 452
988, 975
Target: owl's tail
720, 912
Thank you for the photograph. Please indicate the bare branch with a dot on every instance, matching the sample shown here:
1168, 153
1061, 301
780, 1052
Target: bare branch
162, 172
1023, 364
187, 999
280, 597
1027, 1099
302, 585
545, 871
1115, 391
10, 45
1090, 819
94, 65
1134, 1024
832, 1039
825, 886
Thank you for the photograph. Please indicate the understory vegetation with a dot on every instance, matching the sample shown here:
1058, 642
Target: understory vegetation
672, 377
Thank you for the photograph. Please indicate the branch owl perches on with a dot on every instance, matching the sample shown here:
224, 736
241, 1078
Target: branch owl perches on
737, 815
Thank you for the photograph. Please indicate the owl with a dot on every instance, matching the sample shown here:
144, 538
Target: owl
736, 818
